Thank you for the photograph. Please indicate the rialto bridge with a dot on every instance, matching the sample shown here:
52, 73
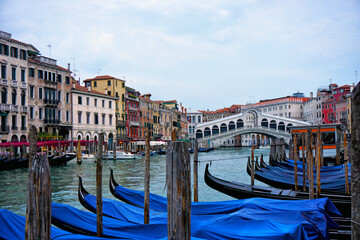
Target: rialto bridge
252, 121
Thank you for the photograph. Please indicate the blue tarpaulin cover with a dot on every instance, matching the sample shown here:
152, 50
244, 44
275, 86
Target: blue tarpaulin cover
229, 228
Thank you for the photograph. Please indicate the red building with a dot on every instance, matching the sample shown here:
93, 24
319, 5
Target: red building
132, 110
328, 111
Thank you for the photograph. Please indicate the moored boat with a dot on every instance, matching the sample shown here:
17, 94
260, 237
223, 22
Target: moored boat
119, 155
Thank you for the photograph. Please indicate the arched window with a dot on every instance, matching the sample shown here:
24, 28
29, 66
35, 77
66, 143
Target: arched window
281, 126
13, 97
199, 119
199, 133
23, 98
193, 119
215, 130
207, 132
231, 125
273, 124
264, 122
223, 127
3, 95
287, 127
239, 123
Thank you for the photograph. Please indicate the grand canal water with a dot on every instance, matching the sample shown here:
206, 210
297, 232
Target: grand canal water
226, 163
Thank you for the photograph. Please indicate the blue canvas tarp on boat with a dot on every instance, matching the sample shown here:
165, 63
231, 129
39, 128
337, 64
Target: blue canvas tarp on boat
230, 228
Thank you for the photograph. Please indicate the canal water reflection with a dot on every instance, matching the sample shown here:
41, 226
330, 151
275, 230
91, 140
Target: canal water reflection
226, 163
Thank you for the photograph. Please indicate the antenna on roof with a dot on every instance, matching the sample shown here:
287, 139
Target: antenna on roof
74, 69
49, 46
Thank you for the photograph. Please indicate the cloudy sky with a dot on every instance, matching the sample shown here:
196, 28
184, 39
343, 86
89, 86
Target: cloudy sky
205, 54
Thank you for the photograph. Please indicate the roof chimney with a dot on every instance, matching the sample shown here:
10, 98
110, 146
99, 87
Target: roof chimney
185, 111
182, 109
89, 87
106, 92
69, 66
73, 85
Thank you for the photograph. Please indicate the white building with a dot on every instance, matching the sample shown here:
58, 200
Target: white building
313, 107
194, 118
93, 112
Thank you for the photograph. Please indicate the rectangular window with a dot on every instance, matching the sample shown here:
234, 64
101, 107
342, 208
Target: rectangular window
103, 119
79, 117
103, 103
59, 115
4, 49
31, 112
67, 80
40, 93
95, 84
79, 100
110, 120
67, 116
109, 82
67, 97
40, 74
87, 118
59, 78
87, 101
23, 75
110, 104
13, 121
31, 89
14, 52
40, 113
31, 72
13, 73
123, 85
96, 118
109, 93
22, 54
23, 122
59, 96
3, 71
95, 102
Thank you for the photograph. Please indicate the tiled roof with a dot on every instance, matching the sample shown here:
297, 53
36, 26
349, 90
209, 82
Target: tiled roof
85, 89
102, 77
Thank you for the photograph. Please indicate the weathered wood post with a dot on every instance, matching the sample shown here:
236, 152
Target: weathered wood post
38, 208
252, 166
114, 149
272, 150
303, 160
355, 163
196, 153
23, 151
346, 158
291, 149
295, 162
99, 212
147, 178
338, 139
79, 154
178, 190
318, 163
282, 149
309, 154
277, 148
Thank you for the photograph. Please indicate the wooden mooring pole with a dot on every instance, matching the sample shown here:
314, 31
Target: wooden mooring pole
309, 155
296, 155
338, 139
303, 160
147, 178
78, 153
196, 153
346, 158
252, 166
178, 190
355, 163
318, 163
99, 212
38, 208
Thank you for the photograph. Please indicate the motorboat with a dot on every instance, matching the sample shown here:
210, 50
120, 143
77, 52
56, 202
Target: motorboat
119, 155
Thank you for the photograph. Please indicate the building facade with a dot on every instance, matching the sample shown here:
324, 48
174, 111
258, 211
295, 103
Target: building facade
194, 118
132, 110
93, 112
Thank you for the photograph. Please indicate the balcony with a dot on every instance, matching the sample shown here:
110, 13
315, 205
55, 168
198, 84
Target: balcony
23, 128
51, 102
7, 107
51, 121
133, 109
15, 108
133, 123
121, 137
24, 109
23, 85
49, 81
14, 128
14, 83
120, 123
4, 129
4, 82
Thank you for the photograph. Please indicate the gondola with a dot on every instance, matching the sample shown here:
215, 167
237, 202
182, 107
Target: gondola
241, 191
61, 160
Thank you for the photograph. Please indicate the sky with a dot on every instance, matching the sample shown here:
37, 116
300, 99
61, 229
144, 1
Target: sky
204, 54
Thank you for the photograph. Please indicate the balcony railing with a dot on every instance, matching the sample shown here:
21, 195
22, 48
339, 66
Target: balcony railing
23, 85
51, 101
7, 107
133, 109
4, 129
51, 121
14, 83
14, 128
121, 136
133, 123
120, 123
23, 128
4, 82
15, 108
24, 109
